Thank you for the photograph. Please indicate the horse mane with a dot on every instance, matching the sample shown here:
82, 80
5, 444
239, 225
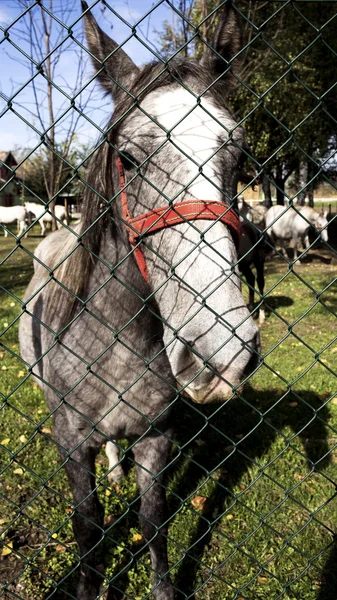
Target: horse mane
73, 274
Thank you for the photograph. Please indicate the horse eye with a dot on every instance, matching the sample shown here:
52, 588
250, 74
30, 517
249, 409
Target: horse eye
128, 161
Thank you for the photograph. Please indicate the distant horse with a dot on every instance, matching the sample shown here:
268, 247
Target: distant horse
13, 214
43, 217
254, 214
291, 224
149, 304
252, 251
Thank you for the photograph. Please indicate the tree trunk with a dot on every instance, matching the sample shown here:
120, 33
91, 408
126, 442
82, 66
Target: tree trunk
303, 182
48, 65
266, 191
204, 15
280, 191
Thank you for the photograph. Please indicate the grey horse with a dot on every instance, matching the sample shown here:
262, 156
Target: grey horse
288, 223
110, 347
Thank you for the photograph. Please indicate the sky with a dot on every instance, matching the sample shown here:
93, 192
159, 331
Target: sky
20, 125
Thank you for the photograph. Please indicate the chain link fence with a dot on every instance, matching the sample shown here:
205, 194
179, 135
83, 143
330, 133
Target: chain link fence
135, 330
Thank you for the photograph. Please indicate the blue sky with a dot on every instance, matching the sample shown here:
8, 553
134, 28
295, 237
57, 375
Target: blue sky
16, 72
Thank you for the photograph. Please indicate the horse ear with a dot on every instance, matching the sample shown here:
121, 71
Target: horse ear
226, 43
116, 69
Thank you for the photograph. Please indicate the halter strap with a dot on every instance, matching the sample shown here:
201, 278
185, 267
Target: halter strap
168, 216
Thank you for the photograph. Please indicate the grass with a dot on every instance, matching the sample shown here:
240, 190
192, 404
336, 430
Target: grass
252, 490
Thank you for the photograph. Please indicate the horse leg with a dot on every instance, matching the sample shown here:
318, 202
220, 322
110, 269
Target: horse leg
283, 250
116, 472
88, 516
250, 278
22, 227
259, 266
295, 241
43, 228
151, 456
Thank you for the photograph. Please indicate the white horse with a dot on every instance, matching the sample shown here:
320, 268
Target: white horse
43, 217
290, 224
254, 214
11, 214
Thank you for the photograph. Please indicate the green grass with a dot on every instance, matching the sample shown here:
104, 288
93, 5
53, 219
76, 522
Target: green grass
252, 489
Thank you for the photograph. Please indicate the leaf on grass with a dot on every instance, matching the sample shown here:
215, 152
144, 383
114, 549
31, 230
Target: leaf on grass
18, 471
116, 487
22, 439
5, 551
310, 489
5, 442
45, 430
230, 517
137, 538
198, 502
21, 373
107, 493
60, 548
262, 580
293, 404
3, 368
109, 520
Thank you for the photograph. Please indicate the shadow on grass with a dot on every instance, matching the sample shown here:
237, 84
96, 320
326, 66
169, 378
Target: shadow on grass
328, 589
204, 434
216, 428
274, 302
15, 277
318, 256
229, 423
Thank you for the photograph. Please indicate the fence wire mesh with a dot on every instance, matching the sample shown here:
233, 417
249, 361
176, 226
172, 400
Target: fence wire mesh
162, 404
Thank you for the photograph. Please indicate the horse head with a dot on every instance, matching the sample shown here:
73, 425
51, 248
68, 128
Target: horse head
176, 141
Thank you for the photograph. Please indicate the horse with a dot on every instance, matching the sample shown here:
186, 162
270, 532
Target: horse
290, 224
254, 214
12, 214
39, 213
142, 301
252, 251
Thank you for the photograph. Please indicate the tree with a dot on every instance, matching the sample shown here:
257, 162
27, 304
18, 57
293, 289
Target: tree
56, 100
176, 36
284, 93
35, 174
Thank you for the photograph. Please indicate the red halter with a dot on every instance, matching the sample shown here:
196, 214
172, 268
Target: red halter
159, 218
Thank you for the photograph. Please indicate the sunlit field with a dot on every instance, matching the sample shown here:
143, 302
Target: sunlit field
252, 486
